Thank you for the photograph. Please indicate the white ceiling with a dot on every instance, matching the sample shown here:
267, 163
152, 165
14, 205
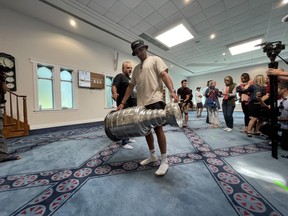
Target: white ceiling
116, 23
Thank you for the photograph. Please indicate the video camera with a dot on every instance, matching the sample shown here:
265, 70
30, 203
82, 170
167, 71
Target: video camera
273, 48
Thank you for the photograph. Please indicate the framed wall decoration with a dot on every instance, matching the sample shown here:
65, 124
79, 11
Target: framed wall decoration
90, 80
84, 79
7, 65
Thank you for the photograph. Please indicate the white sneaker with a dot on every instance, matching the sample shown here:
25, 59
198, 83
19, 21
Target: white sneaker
149, 160
127, 146
128, 141
162, 169
229, 129
225, 129
131, 141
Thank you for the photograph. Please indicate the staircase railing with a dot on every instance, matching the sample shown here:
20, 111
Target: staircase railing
15, 122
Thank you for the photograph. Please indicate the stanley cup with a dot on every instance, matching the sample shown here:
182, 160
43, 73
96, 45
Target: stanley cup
138, 121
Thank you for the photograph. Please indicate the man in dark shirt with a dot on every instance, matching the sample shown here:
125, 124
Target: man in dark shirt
185, 98
119, 85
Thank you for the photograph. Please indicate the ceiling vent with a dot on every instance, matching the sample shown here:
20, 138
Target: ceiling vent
153, 41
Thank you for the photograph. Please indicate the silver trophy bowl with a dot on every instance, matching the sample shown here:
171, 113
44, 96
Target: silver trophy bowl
138, 121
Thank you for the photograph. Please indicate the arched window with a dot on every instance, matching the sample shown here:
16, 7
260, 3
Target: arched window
45, 87
109, 102
54, 86
66, 89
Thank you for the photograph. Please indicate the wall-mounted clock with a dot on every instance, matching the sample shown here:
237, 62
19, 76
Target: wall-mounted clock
7, 62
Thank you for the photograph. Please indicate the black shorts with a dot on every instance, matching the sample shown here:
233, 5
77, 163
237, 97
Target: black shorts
255, 109
157, 105
199, 105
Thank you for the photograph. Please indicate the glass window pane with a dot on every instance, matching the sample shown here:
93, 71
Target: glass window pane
64, 87
45, 94
66, 95
66, 75
44, 72
108, 87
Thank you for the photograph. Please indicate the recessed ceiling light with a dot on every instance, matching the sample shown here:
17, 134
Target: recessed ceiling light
212, 36
285, 1
73, 23
244, 47
223, 54
176, 35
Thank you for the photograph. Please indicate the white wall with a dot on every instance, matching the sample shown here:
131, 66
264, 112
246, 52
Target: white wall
26, 39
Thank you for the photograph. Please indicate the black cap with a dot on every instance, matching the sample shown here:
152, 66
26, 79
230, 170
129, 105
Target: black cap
137, 45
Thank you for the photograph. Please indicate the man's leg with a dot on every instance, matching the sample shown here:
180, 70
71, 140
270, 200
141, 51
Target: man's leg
3, 146
4, 155
3, 150
163, 148
153, 156
186, 119
186, 109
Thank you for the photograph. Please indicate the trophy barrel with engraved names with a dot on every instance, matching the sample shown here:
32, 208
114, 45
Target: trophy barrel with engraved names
138, 121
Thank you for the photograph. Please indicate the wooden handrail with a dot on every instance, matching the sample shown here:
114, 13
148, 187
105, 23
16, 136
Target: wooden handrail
15, 113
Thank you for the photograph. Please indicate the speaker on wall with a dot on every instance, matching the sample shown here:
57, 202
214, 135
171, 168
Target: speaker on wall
116, 55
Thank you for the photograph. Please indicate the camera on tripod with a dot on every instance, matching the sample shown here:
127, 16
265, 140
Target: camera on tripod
273, 48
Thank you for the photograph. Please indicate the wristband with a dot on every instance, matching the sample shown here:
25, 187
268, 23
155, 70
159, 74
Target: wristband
122, 103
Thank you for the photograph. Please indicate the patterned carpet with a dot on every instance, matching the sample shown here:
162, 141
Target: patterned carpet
60, 189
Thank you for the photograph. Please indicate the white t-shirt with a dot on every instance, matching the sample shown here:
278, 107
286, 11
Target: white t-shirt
197, 96
147, 78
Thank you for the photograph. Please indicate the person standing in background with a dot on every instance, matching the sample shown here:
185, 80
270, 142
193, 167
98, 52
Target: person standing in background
244, 98
119, 86
228, 102
185, 98
268, 128
199, 104
205, 103
212, 94
148, 77
257, 89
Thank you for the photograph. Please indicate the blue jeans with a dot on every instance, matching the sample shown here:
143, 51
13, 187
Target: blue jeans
228, 113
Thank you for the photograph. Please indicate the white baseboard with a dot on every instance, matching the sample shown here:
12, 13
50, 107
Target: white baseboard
59, 124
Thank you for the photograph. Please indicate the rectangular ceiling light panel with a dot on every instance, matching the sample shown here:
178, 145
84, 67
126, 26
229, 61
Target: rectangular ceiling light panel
245, 47
175, 35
